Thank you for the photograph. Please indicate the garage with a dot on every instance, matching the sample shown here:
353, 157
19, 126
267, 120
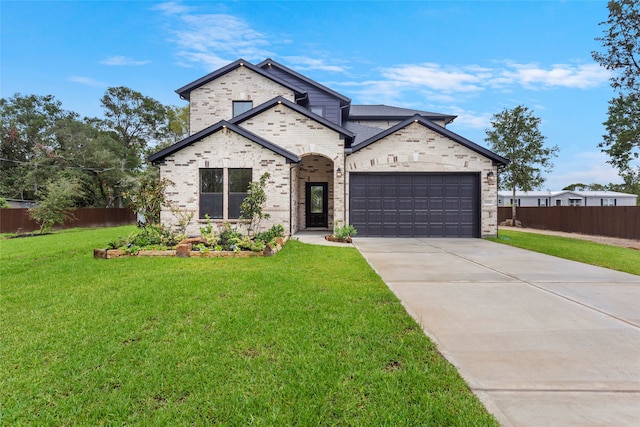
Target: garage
415, 204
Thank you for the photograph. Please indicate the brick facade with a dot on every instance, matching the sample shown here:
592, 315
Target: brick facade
319, 147
418, 149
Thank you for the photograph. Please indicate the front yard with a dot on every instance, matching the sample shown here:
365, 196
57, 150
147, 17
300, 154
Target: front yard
311, 336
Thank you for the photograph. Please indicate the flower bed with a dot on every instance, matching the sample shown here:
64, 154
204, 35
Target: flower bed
186, 250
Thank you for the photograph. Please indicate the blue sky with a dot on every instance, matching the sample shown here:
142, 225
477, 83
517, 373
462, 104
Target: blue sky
468, 58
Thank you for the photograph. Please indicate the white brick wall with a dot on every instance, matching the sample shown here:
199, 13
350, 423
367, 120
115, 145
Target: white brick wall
419, 149
310, 140
226, 149
213, 101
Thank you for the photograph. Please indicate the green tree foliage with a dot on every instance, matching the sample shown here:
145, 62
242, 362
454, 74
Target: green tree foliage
251, 209
56, 203
28, 124
41, 141
621, 43
135, 120
514, 134
148, 198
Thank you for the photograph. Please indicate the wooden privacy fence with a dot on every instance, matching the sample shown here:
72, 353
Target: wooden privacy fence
612, 221
12, 220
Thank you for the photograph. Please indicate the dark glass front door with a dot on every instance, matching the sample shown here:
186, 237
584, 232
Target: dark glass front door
317, 204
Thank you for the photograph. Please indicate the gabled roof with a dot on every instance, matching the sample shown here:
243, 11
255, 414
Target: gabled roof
361, 132
185, 91
280, 100
387, 112
162, 154
436, 128
271, 63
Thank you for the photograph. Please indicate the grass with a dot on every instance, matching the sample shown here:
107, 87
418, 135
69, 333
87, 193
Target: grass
613, 257
311, 336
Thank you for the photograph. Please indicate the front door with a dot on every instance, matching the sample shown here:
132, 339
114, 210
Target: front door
317, 204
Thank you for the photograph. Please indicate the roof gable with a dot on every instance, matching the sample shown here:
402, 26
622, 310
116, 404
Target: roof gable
185, 91
268, 63
282, 101
223, 124
436, 128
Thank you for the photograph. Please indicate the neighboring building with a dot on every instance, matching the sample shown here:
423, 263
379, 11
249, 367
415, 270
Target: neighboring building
388, 171
567, 198
20, 203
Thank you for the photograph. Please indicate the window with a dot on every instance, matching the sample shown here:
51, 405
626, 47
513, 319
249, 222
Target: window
317, 110
220, 199
543, 202
575, 202
239, 180
211, 191
240, 107
607, 202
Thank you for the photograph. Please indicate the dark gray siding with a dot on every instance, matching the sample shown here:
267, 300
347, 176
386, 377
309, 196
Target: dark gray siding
317, 97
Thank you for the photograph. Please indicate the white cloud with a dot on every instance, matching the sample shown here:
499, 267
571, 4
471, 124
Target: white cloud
172, 8
307, 63
437, 77
532, 76
212, 40
122, 60
87, 81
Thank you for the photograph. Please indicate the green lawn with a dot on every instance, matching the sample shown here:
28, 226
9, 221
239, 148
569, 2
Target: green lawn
613, 257
311, 336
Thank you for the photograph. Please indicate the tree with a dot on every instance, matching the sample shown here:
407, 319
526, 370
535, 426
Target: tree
135, 121
57, 203
621, 41
148, 198
251, 208
514, 134
27, 130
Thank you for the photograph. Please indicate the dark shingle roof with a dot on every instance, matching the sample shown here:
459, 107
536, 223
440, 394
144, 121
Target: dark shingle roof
280, 100
185, 91
361, 132
162, 154
267, 63
436, 128
387, 112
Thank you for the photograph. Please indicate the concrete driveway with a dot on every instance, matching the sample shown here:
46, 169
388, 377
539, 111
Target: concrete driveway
541, 340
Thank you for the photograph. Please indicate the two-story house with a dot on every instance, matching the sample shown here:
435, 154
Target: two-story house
388, 171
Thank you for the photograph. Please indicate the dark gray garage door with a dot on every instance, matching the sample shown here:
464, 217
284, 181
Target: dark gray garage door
413, 205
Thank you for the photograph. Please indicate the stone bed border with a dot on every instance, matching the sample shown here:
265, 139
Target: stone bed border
183, 250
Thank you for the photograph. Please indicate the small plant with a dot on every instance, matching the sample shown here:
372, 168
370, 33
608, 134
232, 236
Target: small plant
345, 231
251, 209
148, 198
208, 232
4, 204
229, 237
271, 234
183, 217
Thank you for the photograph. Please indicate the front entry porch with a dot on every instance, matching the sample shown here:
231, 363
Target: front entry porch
315, 193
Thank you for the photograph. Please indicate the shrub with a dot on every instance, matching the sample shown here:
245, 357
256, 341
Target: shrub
345, 231
56, 205
271, 234
229, 237
252, 205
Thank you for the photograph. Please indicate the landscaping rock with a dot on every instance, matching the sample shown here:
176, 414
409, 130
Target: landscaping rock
331, 238
183, 250
194, 241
